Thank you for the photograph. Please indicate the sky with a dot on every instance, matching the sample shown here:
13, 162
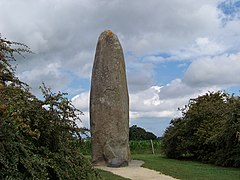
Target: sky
174, 50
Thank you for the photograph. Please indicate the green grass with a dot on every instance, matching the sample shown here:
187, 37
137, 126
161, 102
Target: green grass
145, 147
188, 169
180, 169
136, 147
110, 176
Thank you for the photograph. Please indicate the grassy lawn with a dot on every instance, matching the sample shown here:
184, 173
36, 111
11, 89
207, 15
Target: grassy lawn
187, 169
179, 169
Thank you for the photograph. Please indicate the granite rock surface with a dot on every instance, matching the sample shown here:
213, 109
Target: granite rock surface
109, 104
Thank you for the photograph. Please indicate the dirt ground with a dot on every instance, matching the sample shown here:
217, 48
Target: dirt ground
135, 172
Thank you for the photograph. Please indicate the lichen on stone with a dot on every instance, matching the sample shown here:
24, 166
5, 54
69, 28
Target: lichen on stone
109, 33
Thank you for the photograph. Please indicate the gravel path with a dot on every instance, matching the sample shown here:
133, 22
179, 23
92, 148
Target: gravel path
135, 172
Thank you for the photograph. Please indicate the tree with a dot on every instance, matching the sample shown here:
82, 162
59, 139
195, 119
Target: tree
7, 72
207, 131
36, 136
138, 133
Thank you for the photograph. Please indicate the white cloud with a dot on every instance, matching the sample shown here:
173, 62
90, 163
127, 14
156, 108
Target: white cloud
218, 70
229, 35
153, 114
51, 74
68, 30
81, 101
139, 75
84, 120
176, 88
205, 46
63, 34
153, 103
146, 100
163, 102
142, 25
144, 104
81, 64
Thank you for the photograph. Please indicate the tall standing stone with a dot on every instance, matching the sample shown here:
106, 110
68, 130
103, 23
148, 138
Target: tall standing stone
109, 104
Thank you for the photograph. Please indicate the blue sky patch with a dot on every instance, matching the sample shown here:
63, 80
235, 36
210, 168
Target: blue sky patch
231, 10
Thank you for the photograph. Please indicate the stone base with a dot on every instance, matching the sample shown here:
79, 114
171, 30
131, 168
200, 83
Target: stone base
115, 163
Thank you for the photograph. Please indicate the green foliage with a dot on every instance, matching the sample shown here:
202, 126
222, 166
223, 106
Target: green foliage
37, 137
139, 142
145, 147
138, 133
7, 51
208, 130
136, 147
85, 146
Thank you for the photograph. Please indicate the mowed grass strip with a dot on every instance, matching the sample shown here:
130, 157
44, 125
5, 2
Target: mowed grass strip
189, 170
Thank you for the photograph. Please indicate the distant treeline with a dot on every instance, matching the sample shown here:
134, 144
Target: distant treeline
138, 133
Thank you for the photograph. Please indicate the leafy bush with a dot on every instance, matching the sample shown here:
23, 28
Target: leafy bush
37, 137
85, 146
208, 131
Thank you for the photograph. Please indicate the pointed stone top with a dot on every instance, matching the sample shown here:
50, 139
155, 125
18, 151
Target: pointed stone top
107, 33
111, 39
